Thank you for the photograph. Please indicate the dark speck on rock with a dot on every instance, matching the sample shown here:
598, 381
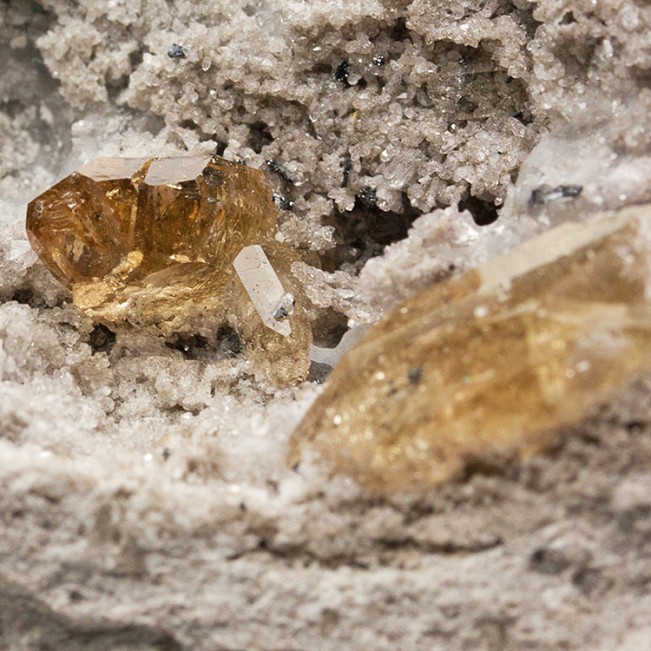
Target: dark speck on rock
546, 194
75, 595
274, 167
415, 374
283, 202
342, 71
368, 197
176, 51
348, 165
230, 341
547, 560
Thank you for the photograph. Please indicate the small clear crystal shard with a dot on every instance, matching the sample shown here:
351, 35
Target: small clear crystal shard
262, 284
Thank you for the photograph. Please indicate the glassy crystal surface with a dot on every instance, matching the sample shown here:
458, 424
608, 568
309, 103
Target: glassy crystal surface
491, 362
263, 286
153, 242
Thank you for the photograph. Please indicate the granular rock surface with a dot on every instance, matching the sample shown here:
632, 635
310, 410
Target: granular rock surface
144, 494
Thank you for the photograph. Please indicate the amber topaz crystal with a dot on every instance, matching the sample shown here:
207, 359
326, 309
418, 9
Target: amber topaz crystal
153, 242
491, 362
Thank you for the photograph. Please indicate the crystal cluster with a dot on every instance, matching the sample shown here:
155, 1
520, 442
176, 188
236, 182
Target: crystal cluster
173, 241
491, 362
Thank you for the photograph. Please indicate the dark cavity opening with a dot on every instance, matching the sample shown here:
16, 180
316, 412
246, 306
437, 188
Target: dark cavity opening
192, 346
259, 136
483, 212
27, 296
101, 339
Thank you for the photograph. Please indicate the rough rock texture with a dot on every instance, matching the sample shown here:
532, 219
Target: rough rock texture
144, 496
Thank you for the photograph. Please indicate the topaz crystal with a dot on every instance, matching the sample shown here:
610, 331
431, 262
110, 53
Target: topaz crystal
491, 362
155, 243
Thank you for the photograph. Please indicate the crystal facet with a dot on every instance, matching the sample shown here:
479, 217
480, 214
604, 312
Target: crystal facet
156, 243
262, 285
493, 361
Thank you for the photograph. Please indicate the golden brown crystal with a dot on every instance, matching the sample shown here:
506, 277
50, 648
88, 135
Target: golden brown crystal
491, 362
152, 243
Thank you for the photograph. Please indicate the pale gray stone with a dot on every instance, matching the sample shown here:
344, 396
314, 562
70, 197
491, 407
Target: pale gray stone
144, 496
